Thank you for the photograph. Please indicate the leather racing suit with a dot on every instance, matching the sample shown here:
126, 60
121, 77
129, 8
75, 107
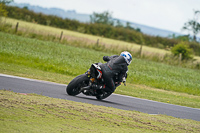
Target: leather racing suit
116, 65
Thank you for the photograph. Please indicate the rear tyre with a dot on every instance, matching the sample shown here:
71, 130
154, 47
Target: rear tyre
74, 86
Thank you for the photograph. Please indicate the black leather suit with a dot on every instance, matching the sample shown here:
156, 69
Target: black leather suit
116, 65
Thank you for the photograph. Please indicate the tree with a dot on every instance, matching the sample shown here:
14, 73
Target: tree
119, 24
6, 1
102, 18
128, 25
3, 11
193, 25
25, 7
180, 37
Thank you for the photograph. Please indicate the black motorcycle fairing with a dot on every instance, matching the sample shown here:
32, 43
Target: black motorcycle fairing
83, 83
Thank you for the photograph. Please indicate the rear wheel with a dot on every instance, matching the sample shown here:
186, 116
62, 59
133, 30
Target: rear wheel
74, 86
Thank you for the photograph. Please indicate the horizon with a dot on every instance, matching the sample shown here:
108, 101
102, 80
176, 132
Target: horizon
180, 32
165, 14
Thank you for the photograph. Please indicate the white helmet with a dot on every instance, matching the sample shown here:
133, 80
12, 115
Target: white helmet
127, 56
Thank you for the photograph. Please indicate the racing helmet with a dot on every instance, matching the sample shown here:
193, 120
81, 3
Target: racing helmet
127, 56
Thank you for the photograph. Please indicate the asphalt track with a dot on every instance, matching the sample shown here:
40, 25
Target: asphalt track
25, 85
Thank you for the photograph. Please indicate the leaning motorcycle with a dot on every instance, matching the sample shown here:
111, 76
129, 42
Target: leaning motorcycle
83, 83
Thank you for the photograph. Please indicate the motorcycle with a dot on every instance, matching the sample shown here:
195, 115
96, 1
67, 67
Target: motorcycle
83, 83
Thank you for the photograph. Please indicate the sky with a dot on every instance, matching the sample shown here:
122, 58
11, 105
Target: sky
163, 14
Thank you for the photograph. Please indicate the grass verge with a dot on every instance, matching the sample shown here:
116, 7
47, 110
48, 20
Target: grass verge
35, 113
140, 91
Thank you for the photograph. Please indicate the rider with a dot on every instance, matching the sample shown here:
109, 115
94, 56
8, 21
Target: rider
116, 65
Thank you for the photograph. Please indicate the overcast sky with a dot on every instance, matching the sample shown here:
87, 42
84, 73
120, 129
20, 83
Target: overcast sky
164, 14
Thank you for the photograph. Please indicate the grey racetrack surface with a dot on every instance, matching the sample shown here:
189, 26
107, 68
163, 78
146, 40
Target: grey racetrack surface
25, 85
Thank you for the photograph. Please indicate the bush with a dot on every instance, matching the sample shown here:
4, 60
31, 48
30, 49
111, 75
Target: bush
3, 11
182, 48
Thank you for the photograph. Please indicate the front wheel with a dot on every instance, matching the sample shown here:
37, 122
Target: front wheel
75, 85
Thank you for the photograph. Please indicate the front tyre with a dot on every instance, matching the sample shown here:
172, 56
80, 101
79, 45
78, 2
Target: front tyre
74, 86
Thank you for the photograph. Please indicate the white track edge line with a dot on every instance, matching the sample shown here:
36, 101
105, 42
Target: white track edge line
36, 80
42, 81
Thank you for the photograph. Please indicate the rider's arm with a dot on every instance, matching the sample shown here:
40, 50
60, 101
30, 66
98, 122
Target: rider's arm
108, 58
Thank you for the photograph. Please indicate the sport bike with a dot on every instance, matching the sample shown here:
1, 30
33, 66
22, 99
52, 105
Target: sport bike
84, 83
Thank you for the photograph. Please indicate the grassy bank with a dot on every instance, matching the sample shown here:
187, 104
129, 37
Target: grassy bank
32, 30
35, 113
68, 60
71, 35
60, 63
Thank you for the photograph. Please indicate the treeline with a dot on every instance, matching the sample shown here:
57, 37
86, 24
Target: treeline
109, 31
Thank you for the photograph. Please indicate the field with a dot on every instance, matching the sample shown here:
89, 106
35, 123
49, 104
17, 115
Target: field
35, 113
41, 32
71, 35
60, 62
24, 56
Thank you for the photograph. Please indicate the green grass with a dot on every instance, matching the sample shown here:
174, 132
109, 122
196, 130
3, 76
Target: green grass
35, 113
140, 91
32, 30
164, 76
72, 35
61, 63
63, 59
